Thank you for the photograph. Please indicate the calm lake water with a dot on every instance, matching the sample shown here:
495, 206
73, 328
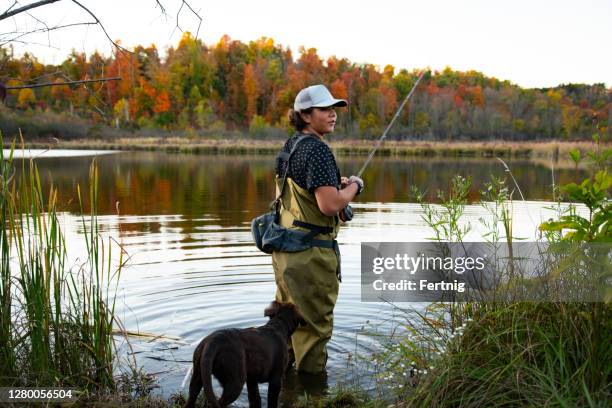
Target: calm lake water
184, 220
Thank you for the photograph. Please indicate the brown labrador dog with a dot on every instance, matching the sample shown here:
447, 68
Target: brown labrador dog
254, 355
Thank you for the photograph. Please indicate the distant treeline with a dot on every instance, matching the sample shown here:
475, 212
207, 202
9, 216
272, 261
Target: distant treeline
233, 86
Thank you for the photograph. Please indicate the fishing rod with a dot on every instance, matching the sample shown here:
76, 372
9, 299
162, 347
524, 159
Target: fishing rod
384, 135
346, 214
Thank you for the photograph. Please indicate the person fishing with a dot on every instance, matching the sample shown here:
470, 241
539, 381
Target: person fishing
313, 197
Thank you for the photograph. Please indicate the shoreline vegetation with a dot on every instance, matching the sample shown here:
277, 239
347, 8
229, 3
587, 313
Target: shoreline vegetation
555, 150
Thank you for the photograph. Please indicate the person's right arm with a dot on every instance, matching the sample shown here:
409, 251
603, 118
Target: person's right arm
331, 200
321, 178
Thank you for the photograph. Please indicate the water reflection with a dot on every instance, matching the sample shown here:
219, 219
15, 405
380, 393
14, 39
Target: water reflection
185, 223
235, 188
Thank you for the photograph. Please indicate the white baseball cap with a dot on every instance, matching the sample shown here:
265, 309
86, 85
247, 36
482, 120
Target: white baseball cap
316, 96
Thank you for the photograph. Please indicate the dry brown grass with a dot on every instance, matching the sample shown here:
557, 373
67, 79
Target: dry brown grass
544, 151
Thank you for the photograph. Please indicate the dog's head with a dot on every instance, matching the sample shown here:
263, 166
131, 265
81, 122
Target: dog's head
287, 311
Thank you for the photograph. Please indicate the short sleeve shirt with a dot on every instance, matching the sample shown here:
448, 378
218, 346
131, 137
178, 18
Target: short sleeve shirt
312, 165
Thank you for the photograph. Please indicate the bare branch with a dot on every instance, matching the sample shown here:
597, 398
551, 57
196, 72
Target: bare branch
93, 94
101, 26
12, 11
44, 24
6, 78
12, 5
23, 34
162, 8
84, 81
34, 43
19, 10
184, 3
178, 13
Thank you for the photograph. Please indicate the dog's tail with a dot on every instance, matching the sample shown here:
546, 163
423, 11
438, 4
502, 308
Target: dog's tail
187, 375
207, 360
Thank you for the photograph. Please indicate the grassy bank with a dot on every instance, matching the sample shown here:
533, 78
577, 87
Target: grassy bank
503, 353
555, 150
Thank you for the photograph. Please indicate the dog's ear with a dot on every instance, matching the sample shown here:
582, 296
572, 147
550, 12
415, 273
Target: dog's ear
272, 309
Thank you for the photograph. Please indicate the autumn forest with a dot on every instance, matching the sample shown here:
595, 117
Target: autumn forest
250, 87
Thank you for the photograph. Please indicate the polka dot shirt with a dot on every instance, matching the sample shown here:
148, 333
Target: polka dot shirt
312, 165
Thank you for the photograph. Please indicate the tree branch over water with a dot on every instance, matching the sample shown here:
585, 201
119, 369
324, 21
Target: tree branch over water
20, 34
4, 88
100, 24
10, 13
17, 36
84, 81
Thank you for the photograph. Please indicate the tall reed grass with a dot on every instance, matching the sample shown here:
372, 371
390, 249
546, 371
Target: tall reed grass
56, 321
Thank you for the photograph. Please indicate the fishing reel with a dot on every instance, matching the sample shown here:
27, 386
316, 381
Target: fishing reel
346, 214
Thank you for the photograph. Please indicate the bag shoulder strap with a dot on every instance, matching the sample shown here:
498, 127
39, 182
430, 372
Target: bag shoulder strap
287, 157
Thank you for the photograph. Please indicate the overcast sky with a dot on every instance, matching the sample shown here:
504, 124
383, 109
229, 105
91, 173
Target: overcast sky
534, 43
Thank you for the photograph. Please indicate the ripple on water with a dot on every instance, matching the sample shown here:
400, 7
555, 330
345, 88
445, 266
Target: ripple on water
190, 276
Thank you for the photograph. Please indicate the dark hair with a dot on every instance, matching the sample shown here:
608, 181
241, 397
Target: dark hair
296, 120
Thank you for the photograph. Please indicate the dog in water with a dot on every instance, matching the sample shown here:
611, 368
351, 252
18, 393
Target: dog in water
254, 355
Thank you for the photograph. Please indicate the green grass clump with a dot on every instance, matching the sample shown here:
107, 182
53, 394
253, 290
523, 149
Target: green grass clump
516, 354
524, 354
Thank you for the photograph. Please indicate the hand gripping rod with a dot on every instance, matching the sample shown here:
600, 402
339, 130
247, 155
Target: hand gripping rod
390, 124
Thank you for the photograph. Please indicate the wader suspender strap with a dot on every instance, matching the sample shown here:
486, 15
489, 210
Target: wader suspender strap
286, 157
